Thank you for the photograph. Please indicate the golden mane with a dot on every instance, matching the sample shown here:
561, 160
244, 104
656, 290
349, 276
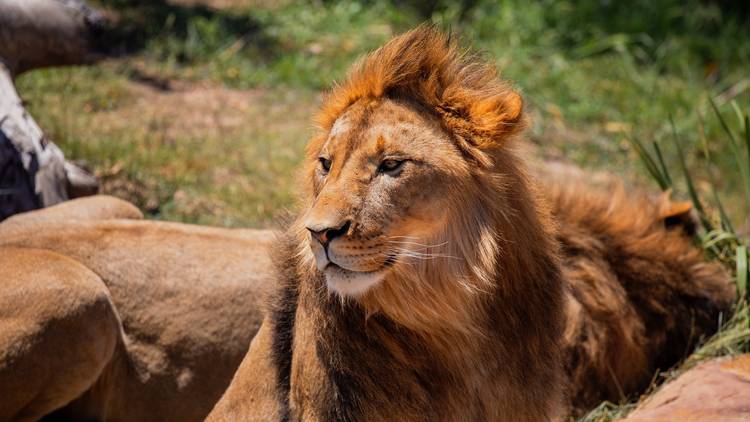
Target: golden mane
427, 66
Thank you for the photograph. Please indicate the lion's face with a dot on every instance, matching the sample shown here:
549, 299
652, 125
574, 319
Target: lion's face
383, 179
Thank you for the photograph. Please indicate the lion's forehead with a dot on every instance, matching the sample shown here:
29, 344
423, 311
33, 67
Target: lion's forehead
394, 131
371, 139
342, 125
362, 117
364, 134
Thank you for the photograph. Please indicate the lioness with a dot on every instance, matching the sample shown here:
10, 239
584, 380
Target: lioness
428, 278
104, 316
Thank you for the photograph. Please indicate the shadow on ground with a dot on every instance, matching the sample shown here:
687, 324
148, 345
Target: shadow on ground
137, 22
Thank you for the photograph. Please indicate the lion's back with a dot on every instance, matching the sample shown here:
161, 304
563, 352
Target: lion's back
639, 293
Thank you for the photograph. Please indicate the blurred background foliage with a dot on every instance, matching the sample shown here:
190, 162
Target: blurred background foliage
202, 111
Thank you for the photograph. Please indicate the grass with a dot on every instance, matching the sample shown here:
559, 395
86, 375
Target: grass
203, 113
202, 154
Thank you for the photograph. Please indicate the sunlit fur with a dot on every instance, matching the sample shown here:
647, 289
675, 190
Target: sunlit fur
468, 322
106, 316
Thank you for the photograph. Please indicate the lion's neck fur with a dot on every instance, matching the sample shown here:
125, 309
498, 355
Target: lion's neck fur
451, 338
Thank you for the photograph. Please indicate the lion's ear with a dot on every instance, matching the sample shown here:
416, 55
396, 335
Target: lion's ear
482, 120
513, 112
497, 118
677, 214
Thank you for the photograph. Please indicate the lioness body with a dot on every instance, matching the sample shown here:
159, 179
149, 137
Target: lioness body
127, 319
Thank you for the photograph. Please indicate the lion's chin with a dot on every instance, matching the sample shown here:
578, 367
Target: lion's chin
351, 283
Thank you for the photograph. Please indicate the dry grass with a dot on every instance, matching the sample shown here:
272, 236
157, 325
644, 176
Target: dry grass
195, 152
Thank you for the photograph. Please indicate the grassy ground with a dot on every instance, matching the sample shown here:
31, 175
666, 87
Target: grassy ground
203, 115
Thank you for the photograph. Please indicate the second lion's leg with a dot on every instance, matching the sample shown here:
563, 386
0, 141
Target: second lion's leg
58, 330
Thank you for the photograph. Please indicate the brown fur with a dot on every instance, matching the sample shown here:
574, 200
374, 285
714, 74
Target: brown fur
640, 295
104, 316
479, 337
473, 104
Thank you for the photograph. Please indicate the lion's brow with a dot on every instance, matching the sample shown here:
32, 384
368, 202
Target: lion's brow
356, 134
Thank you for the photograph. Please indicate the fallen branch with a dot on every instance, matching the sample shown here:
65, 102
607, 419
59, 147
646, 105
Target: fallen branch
34, 34
43, 33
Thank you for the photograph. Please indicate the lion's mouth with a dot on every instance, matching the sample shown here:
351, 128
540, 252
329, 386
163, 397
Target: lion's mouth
389, 262
338, 268
354, 283
334, 267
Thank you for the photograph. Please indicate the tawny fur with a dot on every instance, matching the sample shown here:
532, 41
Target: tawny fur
640, 295
104, 316
480, 337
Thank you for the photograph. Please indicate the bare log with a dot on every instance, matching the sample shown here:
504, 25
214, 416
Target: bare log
42, 33
33, 169
33, 34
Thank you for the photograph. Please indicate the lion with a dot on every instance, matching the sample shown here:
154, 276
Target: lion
104, 316
430, 276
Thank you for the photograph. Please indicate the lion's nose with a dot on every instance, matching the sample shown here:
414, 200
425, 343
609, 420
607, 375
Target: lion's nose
325, 235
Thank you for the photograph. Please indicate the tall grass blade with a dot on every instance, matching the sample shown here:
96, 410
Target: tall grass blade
742, 157
741, 271
689, 180
662, 166
726, 223
737, 111
722, 121
650, 164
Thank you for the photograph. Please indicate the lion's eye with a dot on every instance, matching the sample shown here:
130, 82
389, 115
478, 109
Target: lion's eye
325, 164
390, 166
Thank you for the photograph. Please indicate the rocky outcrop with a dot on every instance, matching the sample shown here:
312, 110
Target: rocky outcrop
717, 390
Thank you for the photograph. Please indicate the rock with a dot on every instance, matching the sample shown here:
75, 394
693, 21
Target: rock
717, 390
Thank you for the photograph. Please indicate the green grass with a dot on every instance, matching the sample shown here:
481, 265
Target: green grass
298, 44
187, 155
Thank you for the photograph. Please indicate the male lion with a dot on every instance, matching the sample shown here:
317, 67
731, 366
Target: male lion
428, 278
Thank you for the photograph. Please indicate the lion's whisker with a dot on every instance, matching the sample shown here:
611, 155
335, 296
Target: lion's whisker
422, 255
437, 245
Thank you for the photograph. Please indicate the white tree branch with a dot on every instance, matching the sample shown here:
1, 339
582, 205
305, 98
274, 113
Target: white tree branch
33, 34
